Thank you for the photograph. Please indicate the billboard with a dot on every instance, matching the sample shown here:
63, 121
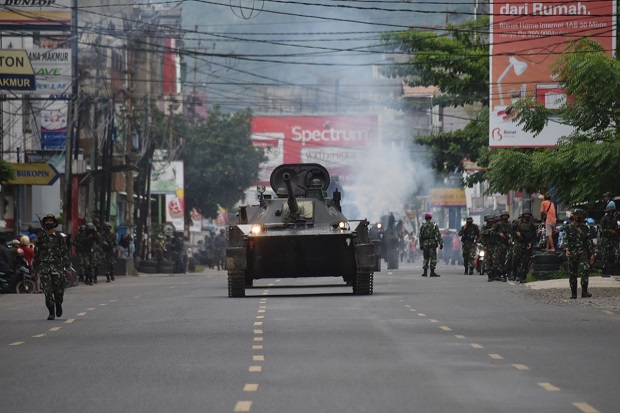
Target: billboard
54, 125
167, 178
36, 13
332, 141
526, 38
52, 68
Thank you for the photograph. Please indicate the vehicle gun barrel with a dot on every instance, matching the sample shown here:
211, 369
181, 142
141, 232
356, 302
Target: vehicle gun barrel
292, 202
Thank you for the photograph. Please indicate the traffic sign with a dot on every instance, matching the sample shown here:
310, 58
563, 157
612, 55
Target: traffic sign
16, 72
34, 174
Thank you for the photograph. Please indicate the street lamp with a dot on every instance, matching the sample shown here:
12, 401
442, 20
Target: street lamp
518, 66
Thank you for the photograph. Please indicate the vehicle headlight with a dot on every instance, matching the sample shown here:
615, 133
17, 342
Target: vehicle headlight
257, 229
482, 253
341, 225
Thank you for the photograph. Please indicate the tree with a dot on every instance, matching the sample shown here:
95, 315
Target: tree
220, 161
583, 166
7, 173
457, 62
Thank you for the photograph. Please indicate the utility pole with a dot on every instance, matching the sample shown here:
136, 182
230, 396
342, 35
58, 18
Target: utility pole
71, 118
129, 182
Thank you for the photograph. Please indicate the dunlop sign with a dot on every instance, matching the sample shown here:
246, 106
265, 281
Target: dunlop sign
34, 174
16, 72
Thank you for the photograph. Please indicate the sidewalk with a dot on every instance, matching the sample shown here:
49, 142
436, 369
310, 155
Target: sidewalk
613, 282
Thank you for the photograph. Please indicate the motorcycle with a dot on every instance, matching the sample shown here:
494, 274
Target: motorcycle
19, 281
479, 260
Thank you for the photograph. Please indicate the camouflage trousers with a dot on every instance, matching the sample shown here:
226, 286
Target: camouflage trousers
469, 254
498, 259
88, 267
521, 255
53, 288
609, 255
109, 263
578, 268
430, 254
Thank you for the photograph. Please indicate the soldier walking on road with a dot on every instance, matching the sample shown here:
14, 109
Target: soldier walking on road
430, 238
86, 246
488, 240
220, 250
51, 261
524, 236
502, 230
108, 245
469, 233
97, 250
580, 253
609, 240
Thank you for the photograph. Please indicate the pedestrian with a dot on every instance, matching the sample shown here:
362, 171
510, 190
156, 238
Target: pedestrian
27, 249
580, 253
430, 238
549, 217
503, 242
609, 241
524, 237
123, 245
219, 244
609, 201
489, 241
132, 247
108, 244
447, 247
412, 248
470, 234
87, 249
50, 262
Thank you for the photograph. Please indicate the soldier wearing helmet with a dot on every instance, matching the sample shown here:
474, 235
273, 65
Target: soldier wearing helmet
430, 238
108, 245
580, 252
470, 234
609, 241
524, 237
51, 260
503, 243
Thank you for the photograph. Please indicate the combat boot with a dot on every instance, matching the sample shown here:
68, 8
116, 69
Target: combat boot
491, 276
107, 278
112, 276
573, 291
466, 270
471, 270
434, 274
584, 292
504, 278
51, 310
58, 310
425, 273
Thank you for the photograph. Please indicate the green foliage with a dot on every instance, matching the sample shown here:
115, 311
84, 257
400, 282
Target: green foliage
220, 161
456, 61
7, 173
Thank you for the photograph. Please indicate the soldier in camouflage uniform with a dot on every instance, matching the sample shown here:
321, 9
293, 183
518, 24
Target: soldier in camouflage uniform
108, 244
98, 253
430, 238
488, 240
469, 233
580, 252
523, 236
81, 252
86, 245
502, 231
609, 240
50, 262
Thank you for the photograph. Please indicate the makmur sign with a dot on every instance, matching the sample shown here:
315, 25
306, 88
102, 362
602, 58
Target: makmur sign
16, 72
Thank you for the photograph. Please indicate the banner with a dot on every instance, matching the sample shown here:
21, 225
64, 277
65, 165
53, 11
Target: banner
526, 39
52, 68
332, 141
54, 125
35, 13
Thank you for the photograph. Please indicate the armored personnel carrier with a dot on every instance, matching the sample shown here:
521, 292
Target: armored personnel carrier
299, 232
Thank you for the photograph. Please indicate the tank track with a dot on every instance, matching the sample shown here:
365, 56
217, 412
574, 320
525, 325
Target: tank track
363, 282
236, 284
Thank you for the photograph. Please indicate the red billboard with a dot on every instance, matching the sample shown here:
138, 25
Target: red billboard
526, 39
335, 142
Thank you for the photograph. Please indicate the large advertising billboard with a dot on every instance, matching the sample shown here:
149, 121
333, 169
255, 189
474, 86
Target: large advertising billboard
332, 141
35, 13
526, 39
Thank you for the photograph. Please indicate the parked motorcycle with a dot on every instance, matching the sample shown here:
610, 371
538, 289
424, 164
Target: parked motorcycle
19, 281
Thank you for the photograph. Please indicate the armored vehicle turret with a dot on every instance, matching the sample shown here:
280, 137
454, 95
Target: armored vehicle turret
301, 232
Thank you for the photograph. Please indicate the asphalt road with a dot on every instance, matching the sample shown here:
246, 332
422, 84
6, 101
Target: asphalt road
178, 344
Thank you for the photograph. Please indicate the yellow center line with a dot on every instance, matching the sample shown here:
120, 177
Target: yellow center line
55, 328
585, 407
421, 314
258, 339
250, 387
445, 328
17, 343
474, 345
257, 347
520, 367
258, 358
256, 368
39, 335
460, 336
70, 321
243, 406
81, 314
549, 387
496, 357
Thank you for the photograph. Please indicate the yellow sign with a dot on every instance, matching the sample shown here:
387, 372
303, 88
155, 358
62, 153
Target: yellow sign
34, 174
16, 72
448, 197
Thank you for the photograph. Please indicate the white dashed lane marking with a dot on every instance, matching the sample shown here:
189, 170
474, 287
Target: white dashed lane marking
549, 387
520, 367
585, 407
250, 387
243, 406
